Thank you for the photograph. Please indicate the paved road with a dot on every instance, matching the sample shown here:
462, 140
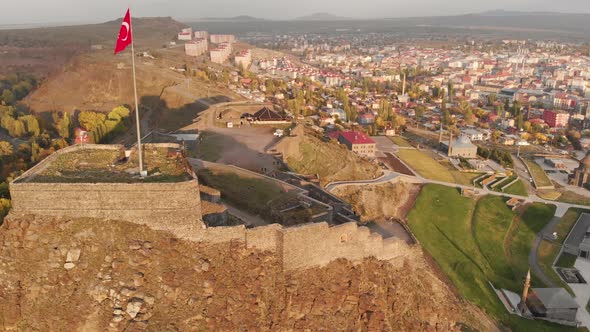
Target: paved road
533, 258
249, 219
547, 230
386, 177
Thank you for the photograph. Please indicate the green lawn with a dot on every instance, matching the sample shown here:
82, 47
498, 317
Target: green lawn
234, 188
546, 254
518, 188
538, 174
532, 221
210, 147
574, 198
567, 222
400, 141
474, 243
566, 260
429, 168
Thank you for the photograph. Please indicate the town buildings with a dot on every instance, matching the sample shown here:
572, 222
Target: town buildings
196, 47
581, 176
243, 58
221, 53
461, 147
201, 34
185, 34
556, 119
358, 142
218, 39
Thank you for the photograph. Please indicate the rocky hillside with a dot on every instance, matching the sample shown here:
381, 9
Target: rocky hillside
97, 275
43, 51
100, 81
307, 154
379, 201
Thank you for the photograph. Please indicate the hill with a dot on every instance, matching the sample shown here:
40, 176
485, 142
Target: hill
43, 51
97, 81
380, 201
98, 275
307, 154
322, 17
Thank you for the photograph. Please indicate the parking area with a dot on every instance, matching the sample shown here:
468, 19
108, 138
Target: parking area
383, 144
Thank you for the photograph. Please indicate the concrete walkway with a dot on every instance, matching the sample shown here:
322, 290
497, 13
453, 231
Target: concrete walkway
533, 258
249, 219
386, 177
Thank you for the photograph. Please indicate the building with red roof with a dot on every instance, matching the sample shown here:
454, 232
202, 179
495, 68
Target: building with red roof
358, 142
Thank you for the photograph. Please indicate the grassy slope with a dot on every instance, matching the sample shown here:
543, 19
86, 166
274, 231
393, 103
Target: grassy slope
517, 188
432, 169
538, 173
235, 188
400, 141
332, 162
442, 221
574, 198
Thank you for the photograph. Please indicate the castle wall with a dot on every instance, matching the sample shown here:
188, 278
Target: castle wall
174, 207
318, 244
265, 238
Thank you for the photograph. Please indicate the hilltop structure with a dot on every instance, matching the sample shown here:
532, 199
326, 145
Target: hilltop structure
102, 182
581, 176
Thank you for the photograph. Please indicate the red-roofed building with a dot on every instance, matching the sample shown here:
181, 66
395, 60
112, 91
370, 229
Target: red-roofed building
82, 136
556, 119
358, 142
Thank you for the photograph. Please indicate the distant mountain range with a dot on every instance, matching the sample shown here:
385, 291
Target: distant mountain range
323, 17
331, 17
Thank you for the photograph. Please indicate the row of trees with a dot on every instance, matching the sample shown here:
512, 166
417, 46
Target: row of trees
103, 127
500, 156
15, 87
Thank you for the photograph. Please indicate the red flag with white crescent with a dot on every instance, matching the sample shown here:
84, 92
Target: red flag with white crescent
125, 36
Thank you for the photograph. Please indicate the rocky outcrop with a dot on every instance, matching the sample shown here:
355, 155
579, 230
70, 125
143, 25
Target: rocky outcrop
124, 276
372, 202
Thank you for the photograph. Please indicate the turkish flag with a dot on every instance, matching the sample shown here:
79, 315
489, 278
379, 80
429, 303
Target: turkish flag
125, 35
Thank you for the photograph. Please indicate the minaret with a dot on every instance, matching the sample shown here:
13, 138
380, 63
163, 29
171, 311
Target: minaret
450, 143
525, 293
440, 133
404, 86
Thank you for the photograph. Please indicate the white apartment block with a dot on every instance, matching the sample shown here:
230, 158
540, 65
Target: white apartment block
196, 47
218, 39
244, 58
221, 53
201, 34
185, 34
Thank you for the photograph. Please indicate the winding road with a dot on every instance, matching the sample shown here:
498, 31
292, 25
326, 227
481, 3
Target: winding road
533, 259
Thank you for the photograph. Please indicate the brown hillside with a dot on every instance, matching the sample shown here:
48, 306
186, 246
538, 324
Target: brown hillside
43, 51
97, 275
380, 201
98, 82
307, 154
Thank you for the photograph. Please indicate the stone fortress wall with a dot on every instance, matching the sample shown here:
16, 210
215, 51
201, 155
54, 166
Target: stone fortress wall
173, 207
176, 207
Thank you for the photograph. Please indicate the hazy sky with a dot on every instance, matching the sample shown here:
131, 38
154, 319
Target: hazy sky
77, 11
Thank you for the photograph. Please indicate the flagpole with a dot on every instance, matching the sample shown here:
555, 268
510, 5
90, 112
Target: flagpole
136, 104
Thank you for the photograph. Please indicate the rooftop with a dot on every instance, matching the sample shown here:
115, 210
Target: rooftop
576, 235
355, 137
95, 163
555, 298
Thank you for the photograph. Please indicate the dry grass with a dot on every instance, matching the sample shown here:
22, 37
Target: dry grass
110, 166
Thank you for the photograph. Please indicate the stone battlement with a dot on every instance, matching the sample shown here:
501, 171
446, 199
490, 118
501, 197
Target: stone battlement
169, 206
176, 207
